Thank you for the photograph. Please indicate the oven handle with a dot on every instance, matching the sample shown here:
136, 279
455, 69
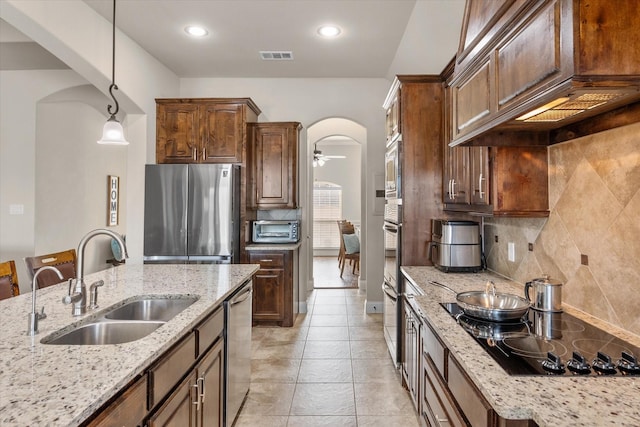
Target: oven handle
386, 287
391, 228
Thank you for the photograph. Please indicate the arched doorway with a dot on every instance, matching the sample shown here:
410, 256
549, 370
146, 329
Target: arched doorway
335, 192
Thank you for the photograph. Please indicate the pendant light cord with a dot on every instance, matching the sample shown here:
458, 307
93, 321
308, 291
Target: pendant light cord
113, 85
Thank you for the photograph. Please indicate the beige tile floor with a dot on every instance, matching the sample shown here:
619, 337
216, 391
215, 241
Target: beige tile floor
326, 274
331, 369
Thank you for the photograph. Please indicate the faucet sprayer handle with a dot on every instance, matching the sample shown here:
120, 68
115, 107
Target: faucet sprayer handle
93, 294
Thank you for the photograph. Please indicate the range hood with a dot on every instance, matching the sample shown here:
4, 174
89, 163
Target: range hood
540, 65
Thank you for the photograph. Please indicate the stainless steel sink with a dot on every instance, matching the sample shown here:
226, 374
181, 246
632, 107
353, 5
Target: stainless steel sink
101, 333
129, 322
154, 309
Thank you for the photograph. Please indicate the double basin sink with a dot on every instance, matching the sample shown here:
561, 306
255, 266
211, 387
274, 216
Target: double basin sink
125, 323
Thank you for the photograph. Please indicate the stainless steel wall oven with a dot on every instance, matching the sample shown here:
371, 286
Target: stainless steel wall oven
392, 229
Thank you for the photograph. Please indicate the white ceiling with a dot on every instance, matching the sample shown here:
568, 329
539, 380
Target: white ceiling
239, 29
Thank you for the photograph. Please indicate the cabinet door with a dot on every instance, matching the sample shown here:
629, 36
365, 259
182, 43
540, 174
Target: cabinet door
222, 133
178, 133
520, 181
179, 410
274, 162
211, 386
471, 100
456, 180
127, 410
479, 175
268, 295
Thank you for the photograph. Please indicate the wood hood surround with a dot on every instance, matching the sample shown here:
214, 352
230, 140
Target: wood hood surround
516, 56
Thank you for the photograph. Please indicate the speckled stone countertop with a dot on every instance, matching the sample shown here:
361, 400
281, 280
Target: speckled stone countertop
549, 401
62, 385
273, 246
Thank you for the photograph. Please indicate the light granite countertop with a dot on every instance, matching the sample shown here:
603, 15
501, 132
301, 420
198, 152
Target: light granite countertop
61, 385
549, 401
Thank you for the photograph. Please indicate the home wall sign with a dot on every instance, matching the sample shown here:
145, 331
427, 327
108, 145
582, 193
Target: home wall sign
113, 190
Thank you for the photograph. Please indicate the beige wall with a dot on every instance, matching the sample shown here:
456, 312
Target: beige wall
594, 198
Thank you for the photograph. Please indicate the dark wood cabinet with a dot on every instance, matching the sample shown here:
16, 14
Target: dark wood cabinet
273, 165
273, 287
498, 181
186, 405
540, 65
418, 102
411, 352
203, 130
128, 409
447, 396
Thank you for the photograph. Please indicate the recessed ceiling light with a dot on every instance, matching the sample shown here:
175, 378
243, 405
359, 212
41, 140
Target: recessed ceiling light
195, 31
329, 31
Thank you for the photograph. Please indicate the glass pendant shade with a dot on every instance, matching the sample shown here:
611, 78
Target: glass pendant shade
112, 133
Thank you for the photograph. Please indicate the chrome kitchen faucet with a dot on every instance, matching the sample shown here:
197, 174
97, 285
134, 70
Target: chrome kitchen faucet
79, 296
35, 316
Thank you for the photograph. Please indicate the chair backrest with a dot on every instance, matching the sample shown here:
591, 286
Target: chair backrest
64, 261
8, 280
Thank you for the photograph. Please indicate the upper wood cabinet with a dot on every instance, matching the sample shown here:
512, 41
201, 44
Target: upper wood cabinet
418, 101
273, 165
203, 130
539, 65
499, 181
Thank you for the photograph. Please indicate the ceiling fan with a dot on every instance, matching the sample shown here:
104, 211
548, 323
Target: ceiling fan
320, 159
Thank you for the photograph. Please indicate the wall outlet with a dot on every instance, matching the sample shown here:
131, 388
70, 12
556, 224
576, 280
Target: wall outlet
511, 251
495, 238
530, 247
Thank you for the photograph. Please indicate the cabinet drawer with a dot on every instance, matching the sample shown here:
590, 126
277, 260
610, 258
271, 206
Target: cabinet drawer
475, 408
128, 409
438, 405
170, 368
436, 351
267, 259
209, 330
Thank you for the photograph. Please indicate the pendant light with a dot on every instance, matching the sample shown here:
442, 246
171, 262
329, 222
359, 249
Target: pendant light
112, 133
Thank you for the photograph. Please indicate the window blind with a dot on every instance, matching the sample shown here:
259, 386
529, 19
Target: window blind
327, 209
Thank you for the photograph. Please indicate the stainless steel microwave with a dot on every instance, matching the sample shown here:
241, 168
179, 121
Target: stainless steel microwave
276, 231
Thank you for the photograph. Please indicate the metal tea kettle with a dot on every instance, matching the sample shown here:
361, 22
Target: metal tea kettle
547, 294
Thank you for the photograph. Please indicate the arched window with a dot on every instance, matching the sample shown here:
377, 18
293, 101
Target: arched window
327, 209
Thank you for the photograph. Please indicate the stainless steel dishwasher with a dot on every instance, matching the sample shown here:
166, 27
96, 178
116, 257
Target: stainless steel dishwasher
237, 350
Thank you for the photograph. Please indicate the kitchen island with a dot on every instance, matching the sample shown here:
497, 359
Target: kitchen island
547, 400
63, 385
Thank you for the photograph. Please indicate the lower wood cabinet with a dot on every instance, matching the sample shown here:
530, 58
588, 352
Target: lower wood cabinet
184, 387
128, 409
445, 395
198, 400
273, 287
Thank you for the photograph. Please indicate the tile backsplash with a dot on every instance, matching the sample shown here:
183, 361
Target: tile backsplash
594, 200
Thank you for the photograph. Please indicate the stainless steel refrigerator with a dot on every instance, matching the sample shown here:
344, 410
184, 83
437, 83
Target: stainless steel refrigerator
191, 213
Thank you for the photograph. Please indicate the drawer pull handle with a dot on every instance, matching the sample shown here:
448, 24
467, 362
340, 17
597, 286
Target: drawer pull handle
197, 392
441, 420
266, 260
202, 389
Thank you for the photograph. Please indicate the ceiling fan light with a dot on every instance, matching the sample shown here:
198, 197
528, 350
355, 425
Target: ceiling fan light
112, 133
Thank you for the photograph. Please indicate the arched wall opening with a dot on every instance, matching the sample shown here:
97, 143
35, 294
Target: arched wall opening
340, 132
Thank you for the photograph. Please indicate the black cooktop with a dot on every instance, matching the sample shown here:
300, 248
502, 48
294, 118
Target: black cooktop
546, 343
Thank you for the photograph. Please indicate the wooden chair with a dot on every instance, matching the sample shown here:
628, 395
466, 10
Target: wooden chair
8, 280
347, 227
344, 226
64, 261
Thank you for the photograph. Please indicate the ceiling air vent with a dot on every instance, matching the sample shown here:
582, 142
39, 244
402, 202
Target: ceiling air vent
276, 55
